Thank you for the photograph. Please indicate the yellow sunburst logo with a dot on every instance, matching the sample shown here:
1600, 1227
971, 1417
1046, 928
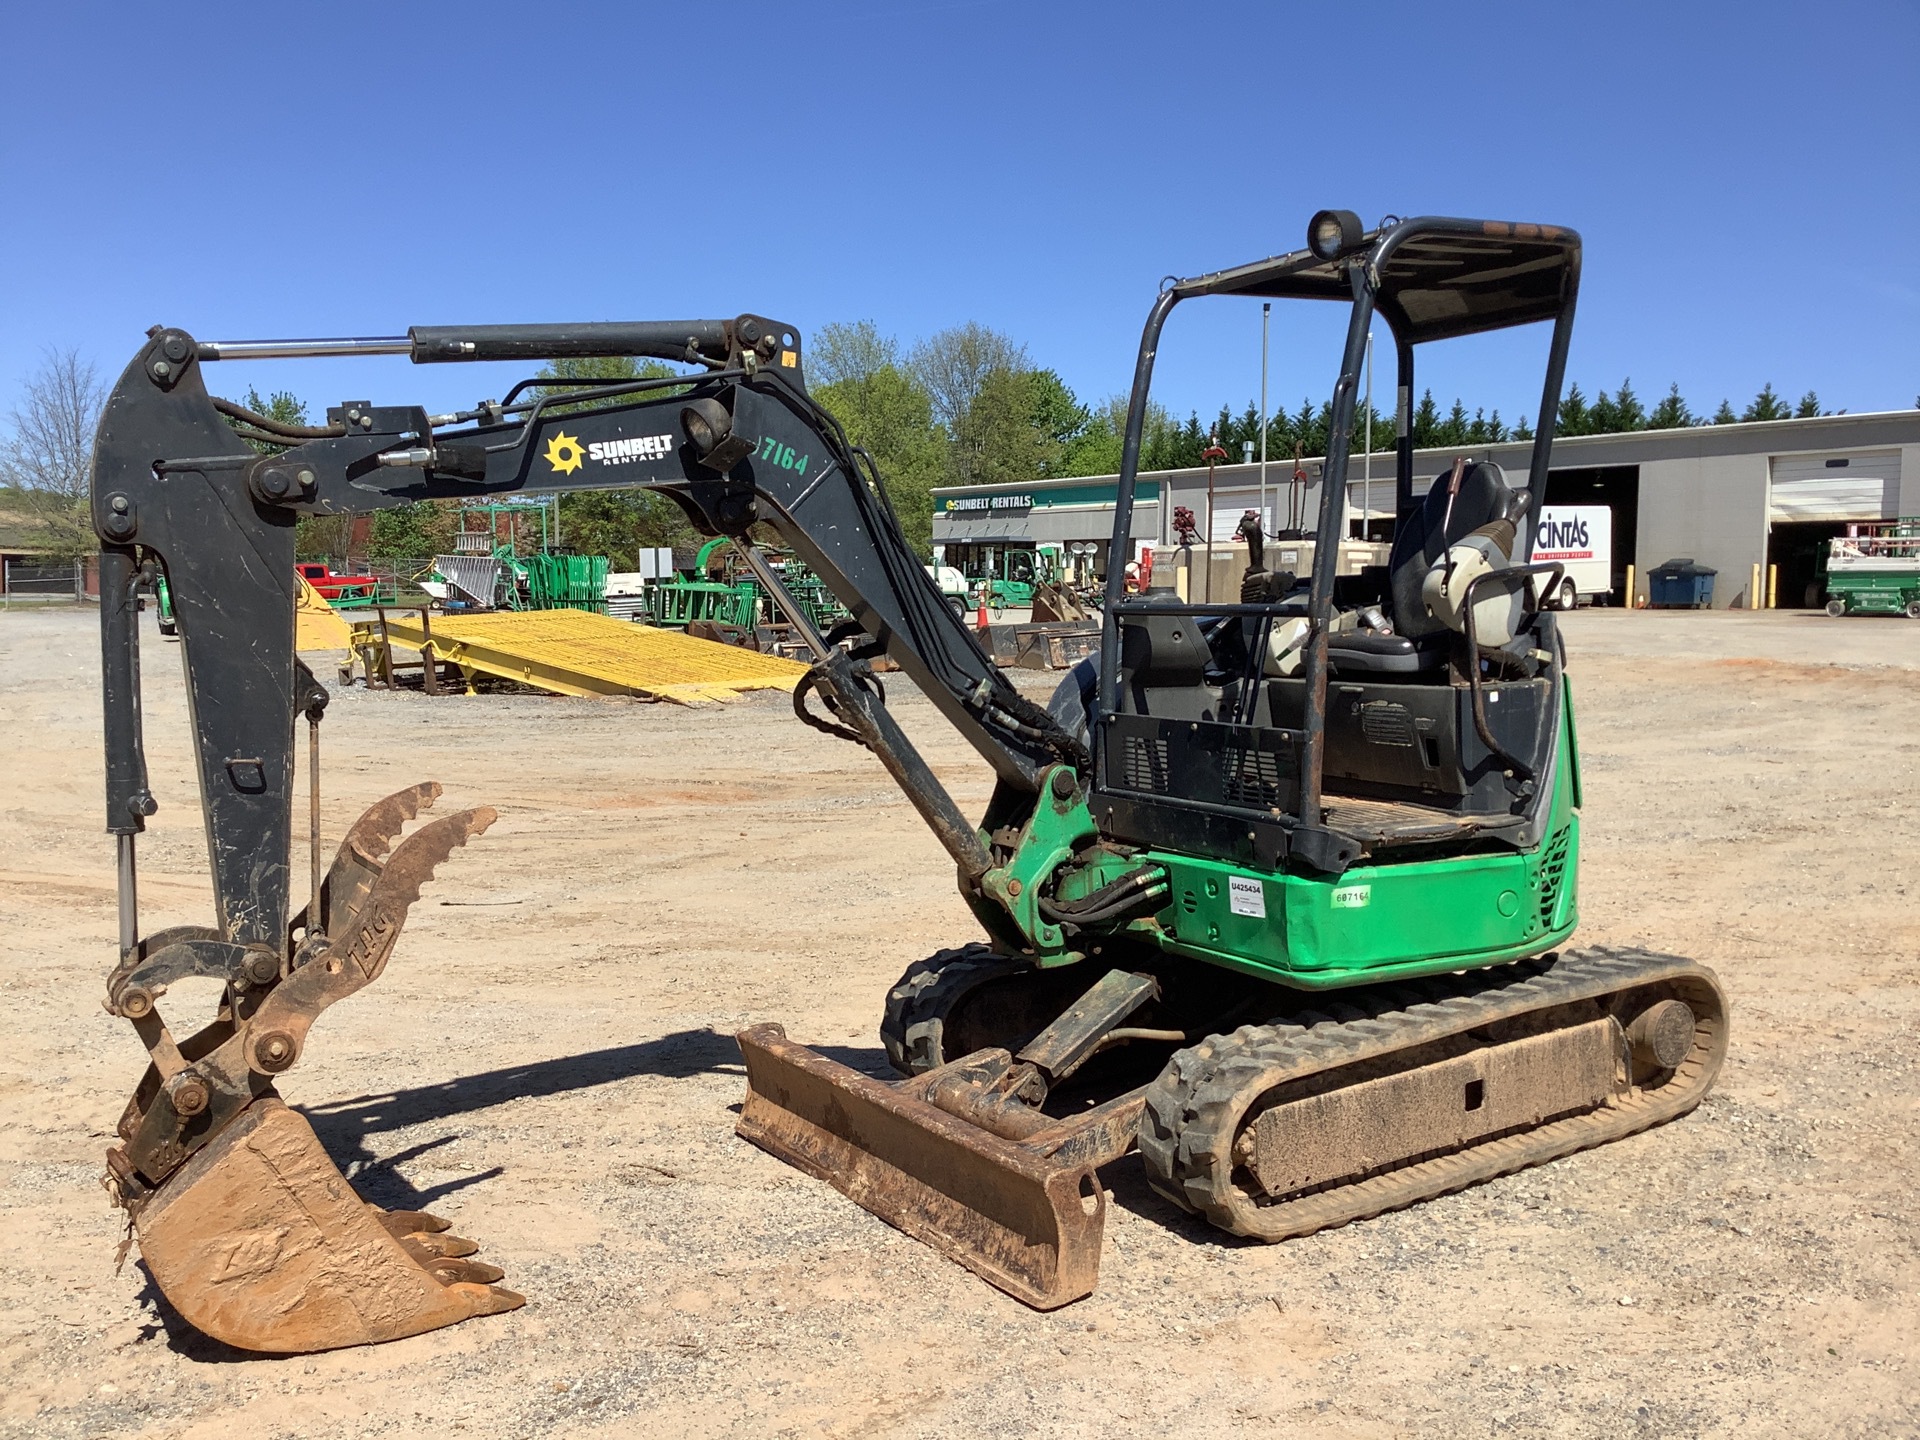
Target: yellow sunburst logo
564, 454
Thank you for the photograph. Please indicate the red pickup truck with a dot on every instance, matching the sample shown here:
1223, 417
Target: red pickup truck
337, 589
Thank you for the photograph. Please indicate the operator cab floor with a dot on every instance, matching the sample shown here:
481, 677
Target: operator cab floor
1386, 823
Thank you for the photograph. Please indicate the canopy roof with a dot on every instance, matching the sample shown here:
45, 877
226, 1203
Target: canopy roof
1434, 277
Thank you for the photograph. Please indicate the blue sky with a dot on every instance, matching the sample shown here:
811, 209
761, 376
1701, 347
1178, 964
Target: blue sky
1744, 176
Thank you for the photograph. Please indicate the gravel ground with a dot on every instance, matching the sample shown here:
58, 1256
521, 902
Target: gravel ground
547, 1063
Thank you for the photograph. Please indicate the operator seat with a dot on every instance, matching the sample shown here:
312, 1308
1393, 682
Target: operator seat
1421, 641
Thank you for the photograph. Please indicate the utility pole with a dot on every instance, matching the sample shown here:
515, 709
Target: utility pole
1266, 317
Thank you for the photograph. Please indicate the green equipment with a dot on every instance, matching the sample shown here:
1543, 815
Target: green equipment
1874, 570
739, 601
680, 601
1273, 891
491, 573
1289, 922
566, 582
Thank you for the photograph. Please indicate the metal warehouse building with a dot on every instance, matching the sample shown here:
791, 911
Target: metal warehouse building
1768, 494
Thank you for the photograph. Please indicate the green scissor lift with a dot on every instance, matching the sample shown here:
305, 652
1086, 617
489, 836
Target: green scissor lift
1875, 571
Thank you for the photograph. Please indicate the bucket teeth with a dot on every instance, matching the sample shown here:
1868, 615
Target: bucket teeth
451, 1270
437, 1247
259, 1241
400, 1223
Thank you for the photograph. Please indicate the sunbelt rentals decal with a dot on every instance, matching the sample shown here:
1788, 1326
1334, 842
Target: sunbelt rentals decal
565, 454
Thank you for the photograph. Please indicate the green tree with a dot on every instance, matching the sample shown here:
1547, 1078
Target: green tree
1767, 406
1808, 408
853, 350
1629, 413
996, 441
1056, 412
1574, 418
890, 415
953, 364
1096, 450
410, 532
1725, 416
1522, 430
282, 406
1485, 429
1426, 422
1618, 413
1671, 413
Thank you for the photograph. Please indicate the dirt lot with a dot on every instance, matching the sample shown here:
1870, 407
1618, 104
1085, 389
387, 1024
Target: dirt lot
548, 1063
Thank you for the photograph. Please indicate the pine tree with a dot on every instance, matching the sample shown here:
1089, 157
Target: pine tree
1603, 416
1808, 407
1574, 417
1522, 430
1426, 422
1767, 406
1725, 416
1671, 413
1629, 413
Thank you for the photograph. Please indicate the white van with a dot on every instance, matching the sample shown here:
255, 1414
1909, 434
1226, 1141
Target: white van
953, 585
1580, 537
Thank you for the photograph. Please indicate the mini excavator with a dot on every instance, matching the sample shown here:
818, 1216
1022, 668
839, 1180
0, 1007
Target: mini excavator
1274, 891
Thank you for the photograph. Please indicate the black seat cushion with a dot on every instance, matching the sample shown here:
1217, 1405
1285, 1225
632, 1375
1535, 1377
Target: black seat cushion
1367, 652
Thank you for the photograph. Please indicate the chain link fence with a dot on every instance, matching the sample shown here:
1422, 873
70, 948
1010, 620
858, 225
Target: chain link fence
23, 583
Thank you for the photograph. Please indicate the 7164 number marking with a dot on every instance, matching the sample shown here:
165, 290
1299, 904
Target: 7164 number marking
782, 455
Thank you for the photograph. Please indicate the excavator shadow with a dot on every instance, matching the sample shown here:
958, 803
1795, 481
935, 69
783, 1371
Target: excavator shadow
346, 1128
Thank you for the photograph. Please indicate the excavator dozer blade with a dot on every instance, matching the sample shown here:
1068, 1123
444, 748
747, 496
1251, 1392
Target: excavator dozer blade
259, 1241
1027, 1222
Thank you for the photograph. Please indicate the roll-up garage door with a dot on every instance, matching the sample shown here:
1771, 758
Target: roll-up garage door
1860, 485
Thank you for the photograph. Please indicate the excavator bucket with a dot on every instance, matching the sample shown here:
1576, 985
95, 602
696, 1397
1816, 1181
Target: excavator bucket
1026, 1215
260, 1242
255, 1237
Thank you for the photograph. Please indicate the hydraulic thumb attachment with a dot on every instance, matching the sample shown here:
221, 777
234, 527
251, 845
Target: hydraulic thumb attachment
248, 1228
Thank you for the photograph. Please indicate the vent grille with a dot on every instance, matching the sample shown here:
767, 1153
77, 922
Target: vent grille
1553, 872
1387, 722
1250, 778
1144, 764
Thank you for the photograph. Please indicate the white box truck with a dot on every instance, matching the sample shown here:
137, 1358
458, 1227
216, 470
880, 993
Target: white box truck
1580, 537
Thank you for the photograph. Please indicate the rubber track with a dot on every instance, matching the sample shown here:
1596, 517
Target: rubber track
913, 1024
1199, 1104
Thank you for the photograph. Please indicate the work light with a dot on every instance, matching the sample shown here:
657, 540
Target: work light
1331, 233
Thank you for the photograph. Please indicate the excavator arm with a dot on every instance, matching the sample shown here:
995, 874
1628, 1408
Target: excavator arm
179, 493
177, 487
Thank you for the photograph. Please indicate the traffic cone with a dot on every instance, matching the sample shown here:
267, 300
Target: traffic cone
981, 622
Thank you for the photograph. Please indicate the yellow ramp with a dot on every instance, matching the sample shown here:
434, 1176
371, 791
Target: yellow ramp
317, 625
575, 652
